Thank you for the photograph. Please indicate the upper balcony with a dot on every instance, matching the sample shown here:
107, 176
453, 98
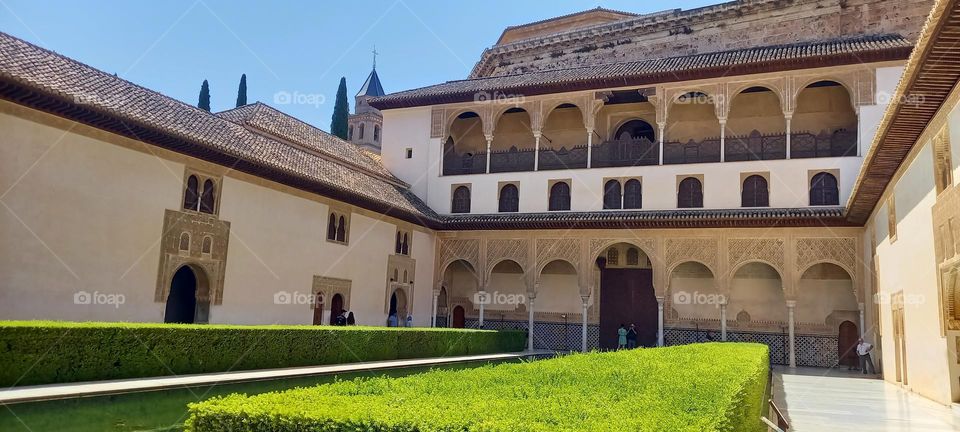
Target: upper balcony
642, 128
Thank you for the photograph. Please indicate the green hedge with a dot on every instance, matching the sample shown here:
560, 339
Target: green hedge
41, 352
701, 387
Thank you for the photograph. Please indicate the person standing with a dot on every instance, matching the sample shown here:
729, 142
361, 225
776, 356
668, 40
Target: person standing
632, 337
863, 351
621, 337
409, 320
351, 320
392, 320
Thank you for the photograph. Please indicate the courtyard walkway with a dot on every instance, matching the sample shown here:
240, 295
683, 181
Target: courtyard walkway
94, 388
820, 400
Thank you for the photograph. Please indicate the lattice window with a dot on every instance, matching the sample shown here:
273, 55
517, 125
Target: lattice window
824, 190
560, 196
690, 193
461, 200
613, 256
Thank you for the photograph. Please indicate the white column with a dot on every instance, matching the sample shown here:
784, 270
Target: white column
662, 126
723, 139
489, 144
791, 304
788, 117
530, 324
433, 316
659, 321
536, 150
589, 147
583, 337
723, 321
863, 330
859, 144
483, 300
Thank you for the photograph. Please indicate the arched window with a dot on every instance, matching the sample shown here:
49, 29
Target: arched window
635, 129
755, 192
404, 276
613, 256
185, 242
509, 199
191, 197
690, 193
559, 196
396, 275
342, 229
207, 245
361, 130
611, 195
824, 190
376, 133
398, 247
633, 257
632, 194
207, 198
332, 227
461, 200
405, 246
350, 132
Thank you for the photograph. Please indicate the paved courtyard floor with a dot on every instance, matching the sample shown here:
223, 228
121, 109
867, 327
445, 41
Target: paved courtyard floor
819, 400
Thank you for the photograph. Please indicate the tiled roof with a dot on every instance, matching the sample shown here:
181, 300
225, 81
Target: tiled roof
372, 86
266, 119
753, 60
106, 98
816, 216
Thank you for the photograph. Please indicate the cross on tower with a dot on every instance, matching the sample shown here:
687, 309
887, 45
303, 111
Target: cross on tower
375, 56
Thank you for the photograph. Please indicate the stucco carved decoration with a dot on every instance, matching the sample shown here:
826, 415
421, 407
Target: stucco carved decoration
499, 250
841, 251
567, 249
766, 250
458, 249
329, 286
197, 226
700, 249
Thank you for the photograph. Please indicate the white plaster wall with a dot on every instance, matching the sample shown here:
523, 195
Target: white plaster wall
79, 214
908, 265
410, 128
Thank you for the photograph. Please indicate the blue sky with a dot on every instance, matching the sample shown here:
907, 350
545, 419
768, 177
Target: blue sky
297, 47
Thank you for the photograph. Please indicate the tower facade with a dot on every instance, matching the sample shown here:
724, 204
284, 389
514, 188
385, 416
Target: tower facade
366, 123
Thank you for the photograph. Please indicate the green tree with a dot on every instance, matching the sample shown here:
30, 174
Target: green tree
204, 96
341, 111
242, 91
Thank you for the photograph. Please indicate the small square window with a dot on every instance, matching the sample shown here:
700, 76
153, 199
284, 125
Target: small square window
409, 153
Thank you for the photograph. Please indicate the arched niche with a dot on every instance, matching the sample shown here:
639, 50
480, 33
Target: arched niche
824, 290
693, 291
558, 288
757, 289
507, 280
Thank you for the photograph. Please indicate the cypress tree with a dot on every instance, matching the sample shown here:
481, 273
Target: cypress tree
204, 96
242, 91
341, 110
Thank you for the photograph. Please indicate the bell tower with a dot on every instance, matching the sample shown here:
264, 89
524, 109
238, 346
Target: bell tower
366, 123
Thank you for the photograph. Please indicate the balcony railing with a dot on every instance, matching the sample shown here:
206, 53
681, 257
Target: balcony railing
512, 160
704, 151
467, 163
755, 146
562, 158
627, 152
841, 142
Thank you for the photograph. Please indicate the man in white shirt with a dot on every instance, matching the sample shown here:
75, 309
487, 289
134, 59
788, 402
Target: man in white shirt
863, 351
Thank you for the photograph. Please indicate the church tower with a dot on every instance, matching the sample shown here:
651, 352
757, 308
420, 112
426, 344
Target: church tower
366, 123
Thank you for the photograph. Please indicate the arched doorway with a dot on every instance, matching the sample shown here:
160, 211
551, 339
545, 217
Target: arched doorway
626, 295
398, 306
336, 308
847, 344
188, 300
459, 319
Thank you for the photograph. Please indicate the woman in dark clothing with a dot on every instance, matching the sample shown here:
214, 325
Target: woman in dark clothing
350, 319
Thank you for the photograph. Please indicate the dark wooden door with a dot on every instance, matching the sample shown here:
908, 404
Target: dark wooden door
847, 344
458, 319
627, 297
336, 308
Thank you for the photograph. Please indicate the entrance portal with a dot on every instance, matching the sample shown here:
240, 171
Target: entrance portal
459, 320
182, 300
627, 297
336, 308
847, 344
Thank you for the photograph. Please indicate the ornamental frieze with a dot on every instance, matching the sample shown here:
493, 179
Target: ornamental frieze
459, 249
506, 249
699, 249
839, 250
553, 249
769, 250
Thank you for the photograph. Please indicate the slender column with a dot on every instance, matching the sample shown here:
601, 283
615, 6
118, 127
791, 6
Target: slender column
723, 321
859, 143
583, 337
863, 330
791, 304
489, 145
788, 117
723, 139
536, 150
483, 300
662, 126
530, 324
433, 316
589, 147
659, 321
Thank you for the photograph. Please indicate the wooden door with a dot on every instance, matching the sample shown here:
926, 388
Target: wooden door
627, 297
336, 308
458, 318
847, 344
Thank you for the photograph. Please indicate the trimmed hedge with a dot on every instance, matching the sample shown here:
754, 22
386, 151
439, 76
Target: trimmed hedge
701, 387
44, 352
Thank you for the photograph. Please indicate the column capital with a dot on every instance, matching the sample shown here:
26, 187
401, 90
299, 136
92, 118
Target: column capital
787, 114
861, 307
791, 304
585, 299
489, 138
722, 120
537, 133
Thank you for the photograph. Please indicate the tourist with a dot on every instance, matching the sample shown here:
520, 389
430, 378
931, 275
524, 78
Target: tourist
632, 337
341, 319
351, 320
863, 351
392, 320
409, 320
621, 337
